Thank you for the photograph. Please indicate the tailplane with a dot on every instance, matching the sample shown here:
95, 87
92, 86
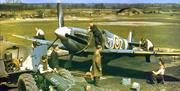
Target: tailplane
130, 37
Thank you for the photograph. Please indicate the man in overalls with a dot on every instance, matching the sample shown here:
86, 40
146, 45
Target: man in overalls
96, 65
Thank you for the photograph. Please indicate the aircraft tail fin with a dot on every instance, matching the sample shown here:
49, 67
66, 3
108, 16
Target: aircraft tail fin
60, 14
130, 40
130, 37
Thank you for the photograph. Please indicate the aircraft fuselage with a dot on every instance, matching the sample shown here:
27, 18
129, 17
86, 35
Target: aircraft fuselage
78, 39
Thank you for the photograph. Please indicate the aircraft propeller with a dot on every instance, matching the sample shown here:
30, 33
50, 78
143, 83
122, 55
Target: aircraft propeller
77, 39
53, 42
60, 19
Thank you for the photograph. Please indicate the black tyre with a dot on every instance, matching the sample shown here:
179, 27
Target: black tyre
67, 75
26, 82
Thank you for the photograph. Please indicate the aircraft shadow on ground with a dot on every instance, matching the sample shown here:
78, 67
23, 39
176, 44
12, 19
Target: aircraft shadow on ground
170, 78
115, 71
107, 70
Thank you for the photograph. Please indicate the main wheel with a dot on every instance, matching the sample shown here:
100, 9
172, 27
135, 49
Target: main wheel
66, 74
26, 82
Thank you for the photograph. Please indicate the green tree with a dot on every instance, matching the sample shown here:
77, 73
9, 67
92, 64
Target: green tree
40, 14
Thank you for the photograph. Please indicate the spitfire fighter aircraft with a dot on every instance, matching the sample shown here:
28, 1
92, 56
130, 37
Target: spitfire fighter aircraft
80, 42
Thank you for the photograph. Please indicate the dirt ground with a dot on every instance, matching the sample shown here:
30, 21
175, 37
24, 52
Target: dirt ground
116, 70
114, 83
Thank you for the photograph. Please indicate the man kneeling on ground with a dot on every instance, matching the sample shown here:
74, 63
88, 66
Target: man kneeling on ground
159, 74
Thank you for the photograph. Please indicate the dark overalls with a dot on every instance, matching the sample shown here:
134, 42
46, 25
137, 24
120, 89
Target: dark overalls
97, 35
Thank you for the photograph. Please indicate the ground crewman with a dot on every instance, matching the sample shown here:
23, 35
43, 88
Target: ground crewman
158, 74
149, 45
96, 65
96, 34
53, 62
44, 66
39, 33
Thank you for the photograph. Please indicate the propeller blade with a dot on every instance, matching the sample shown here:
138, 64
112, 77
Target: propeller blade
77, 39
53, 42
60, 14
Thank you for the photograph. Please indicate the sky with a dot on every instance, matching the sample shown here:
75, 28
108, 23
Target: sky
97, 1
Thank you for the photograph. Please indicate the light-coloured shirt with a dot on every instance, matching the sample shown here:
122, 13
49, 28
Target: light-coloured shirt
160, 71
39, 32
149, 43
41, 70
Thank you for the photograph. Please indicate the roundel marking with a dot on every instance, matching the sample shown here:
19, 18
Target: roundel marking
116, 42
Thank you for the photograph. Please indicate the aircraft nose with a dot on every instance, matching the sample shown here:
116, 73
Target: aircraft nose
62, 31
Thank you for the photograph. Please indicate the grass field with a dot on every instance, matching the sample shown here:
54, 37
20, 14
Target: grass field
161, 35
166, 36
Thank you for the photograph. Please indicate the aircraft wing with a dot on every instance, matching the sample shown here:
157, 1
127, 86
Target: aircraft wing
135, 52
43, 42
131, 53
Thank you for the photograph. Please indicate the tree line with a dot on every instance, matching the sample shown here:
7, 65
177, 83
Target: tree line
21, 6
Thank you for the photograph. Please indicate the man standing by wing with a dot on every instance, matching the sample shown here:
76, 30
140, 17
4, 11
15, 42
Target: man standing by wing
96, 34
96, 61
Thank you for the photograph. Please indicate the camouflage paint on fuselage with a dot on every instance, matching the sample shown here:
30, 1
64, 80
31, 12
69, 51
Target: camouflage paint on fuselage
72, 38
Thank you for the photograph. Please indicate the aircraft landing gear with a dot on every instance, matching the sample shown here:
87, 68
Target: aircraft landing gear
148, 58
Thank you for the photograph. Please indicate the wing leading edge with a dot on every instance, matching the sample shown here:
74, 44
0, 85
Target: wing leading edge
140, 53
131, 53
135, 52
43, 42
